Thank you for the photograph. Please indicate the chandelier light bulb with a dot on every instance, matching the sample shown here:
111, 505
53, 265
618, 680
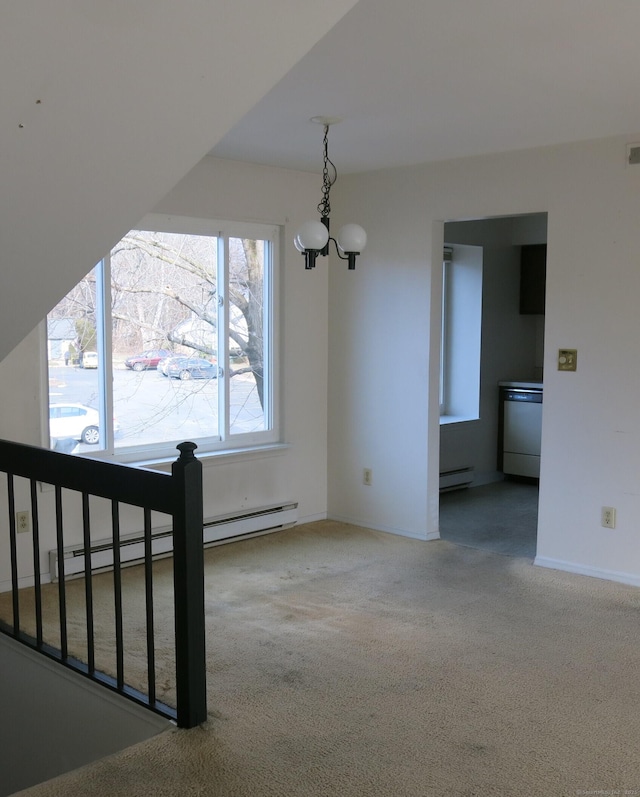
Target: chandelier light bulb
312, 235
351, 238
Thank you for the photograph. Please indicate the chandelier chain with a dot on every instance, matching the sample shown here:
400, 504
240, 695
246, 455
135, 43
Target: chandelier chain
329, 176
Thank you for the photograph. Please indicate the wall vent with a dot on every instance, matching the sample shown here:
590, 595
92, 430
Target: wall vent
456, 479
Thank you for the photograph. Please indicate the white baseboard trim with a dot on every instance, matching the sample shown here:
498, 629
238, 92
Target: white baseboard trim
311, 518
389, 529
586, 570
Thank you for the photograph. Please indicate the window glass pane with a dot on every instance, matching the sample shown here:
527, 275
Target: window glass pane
72, 343
143, 335
248, 346
164, 343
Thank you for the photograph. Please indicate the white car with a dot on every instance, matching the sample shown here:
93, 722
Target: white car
74, 421
89, 359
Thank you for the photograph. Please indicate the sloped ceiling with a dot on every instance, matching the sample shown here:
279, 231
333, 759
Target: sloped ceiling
106, 104
427, 80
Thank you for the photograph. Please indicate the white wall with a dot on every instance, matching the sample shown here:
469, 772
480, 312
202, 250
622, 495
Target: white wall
238, 192
386, 417
379, 339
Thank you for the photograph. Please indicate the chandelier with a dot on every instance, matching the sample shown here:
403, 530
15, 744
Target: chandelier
312, 239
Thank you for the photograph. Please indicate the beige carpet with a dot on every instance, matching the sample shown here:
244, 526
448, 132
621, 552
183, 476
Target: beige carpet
343, 661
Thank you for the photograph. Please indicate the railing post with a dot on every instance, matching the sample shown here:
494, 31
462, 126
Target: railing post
188, 579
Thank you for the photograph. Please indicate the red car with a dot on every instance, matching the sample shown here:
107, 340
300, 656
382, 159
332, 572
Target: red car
148, 359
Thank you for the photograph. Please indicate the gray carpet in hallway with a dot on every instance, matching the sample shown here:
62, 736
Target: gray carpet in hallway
501, 517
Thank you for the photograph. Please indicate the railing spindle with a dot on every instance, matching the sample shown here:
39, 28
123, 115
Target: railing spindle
13, 554
148, 584
117, 592
35, 531
62, 593
88, 584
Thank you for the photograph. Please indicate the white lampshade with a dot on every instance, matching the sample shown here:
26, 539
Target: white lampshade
297, 244
352, 238
312, 235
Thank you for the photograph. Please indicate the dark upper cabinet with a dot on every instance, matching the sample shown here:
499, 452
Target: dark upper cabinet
533, 278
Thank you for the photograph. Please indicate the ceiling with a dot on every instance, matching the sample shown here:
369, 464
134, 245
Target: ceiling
426, 80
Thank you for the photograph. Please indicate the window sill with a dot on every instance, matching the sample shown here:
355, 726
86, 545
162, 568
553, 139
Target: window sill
221, 457
449, 419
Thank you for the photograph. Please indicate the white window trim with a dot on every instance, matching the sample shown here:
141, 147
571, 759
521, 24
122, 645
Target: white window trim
446, 261
461, 335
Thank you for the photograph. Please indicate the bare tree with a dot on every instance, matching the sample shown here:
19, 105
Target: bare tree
164, 287
246, 293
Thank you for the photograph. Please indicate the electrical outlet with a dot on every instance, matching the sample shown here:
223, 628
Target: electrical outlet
22, 522
366, 477
608, 517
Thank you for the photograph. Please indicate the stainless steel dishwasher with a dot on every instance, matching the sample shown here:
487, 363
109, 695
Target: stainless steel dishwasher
521, 429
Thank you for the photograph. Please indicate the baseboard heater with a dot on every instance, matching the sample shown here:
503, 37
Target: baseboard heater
215, 531
456, 479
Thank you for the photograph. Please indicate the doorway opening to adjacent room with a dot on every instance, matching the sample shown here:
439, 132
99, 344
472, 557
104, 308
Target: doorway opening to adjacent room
492, 338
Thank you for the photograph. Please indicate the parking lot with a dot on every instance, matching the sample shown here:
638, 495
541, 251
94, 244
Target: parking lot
151, 408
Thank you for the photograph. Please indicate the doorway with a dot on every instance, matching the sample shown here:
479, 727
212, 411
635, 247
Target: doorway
493, 511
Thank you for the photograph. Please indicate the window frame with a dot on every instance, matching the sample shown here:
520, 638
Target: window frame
447, 257
461, 333
225, 442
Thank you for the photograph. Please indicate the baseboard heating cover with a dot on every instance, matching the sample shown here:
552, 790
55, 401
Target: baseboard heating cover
455, 479
216, 530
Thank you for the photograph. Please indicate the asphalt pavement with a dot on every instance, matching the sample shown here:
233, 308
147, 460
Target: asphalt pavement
151, 408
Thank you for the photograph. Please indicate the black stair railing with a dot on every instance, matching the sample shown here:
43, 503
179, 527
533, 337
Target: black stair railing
178, 494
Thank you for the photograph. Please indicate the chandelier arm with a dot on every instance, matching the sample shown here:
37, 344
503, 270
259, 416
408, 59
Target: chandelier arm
350, 256
310, 255
335, 243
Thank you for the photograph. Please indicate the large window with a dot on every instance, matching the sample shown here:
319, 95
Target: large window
169, 338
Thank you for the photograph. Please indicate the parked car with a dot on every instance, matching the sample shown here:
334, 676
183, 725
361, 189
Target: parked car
89, 359
191, 368
76, 422
147, 359
164, 364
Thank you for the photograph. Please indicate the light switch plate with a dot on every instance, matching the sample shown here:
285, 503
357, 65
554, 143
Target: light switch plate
567, 359
633, 154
